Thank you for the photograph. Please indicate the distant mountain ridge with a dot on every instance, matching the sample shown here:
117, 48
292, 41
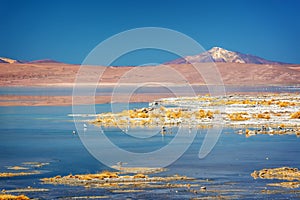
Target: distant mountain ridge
44, 61
11, 61
231, 68
218, 54
215, 54
8, 60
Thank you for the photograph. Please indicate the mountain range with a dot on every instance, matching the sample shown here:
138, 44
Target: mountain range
12, 61
235, 69
215, 54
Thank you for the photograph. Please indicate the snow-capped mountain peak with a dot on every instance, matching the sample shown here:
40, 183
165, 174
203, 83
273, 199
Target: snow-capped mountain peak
218, 54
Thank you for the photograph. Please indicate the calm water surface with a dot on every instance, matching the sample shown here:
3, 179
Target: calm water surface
65, 91
44, 134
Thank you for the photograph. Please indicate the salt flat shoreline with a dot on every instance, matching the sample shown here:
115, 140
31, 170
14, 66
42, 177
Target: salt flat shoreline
24, 100
66, 100
23, 96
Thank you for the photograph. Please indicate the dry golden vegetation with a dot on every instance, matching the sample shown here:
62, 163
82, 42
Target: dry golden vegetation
12, 174
13, 197
274, 114
28, 167
290, 184
282, 173
295, 115
262, 116
238, 116
108, 179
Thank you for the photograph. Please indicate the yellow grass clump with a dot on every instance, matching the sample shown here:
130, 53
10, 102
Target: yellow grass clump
207, 98
142, 115
266, 103
145, 122
162, 108
262, 116
13, 197
293, 184
295, 115
186, 115
140, 176
238, 117
204, 114
285, 103
249, 102
283, 173
235, 101
108, 174
217, 112
101, 176
230, 102
11, 174
282, 125
173, 114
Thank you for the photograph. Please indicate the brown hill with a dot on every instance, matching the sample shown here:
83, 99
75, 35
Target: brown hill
60, 74
44, 61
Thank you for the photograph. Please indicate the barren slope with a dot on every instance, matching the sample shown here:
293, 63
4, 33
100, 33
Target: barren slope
59, 74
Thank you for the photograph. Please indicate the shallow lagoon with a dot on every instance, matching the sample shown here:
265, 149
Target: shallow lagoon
44, 134
67, 91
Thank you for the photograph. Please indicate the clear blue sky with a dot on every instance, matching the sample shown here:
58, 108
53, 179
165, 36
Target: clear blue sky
68, 30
